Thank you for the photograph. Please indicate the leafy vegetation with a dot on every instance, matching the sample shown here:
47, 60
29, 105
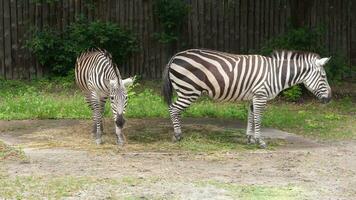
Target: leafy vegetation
58, 50
171, 14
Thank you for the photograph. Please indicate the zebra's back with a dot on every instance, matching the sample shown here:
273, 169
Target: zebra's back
223, 76
91, 68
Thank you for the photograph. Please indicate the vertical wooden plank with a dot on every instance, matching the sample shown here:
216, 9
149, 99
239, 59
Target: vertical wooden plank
7, 40
195, 23
141, 22
343, 27
65, 13
261, 23
276, 18
2, 47
143, 70
225, 27
243, 29
353, 33
77, 9
349, 32
214, 18
236, 24
31, 23
250, 25
27, 56
45, 13
257, 26
14, 43
220, 25
201, 23
20, 35
38, 23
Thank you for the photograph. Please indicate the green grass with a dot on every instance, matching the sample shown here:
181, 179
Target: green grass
37, 187
59, 99
260, 192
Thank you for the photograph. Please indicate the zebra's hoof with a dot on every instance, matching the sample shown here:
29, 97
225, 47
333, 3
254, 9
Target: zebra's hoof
98, 141
262, 144
120, 143
251, 140
177, 138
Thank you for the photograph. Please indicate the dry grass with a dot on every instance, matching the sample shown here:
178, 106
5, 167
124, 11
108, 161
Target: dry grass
142, 136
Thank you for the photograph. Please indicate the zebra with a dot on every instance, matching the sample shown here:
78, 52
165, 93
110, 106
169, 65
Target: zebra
99, 78
230, 77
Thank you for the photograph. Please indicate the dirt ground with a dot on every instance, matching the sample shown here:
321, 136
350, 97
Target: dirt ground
54, 148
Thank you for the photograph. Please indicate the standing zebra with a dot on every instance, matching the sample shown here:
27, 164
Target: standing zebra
229, 77
98, 77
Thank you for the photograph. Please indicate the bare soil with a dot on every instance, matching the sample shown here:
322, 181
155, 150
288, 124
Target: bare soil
324, 170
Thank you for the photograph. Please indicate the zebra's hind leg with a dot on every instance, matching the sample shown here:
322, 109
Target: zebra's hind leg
259, 103
250, 126
175, 111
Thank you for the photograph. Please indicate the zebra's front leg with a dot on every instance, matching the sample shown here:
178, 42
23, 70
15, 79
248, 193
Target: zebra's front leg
97, 116
176, 120
250, 126
259, 103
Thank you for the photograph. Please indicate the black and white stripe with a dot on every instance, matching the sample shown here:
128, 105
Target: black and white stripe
228, 77
99, 78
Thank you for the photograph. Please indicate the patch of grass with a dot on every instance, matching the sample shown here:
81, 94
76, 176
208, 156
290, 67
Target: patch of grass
58, 99
332, 121
59, 187
259, 192
31, 187
10, 153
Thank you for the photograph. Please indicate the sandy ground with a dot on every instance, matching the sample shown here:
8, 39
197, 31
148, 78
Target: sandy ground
323, 170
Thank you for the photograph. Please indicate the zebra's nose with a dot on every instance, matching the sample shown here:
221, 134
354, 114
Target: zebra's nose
120, 121
326, 100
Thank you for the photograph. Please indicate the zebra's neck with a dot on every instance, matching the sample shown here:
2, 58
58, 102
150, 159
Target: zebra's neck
286, 72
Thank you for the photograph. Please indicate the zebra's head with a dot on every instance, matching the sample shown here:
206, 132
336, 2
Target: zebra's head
316, 80
118, 100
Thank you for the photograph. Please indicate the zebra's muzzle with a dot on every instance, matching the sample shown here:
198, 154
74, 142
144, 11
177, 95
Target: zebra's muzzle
120, 121
325, 100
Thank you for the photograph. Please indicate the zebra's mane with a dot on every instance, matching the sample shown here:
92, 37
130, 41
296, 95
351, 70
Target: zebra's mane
294, 54
95, 50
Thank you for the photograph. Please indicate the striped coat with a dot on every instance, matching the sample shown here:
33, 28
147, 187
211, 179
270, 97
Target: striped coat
228, 77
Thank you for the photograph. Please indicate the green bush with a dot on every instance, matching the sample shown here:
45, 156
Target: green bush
58, 50
293, 93
301, 39
171, 14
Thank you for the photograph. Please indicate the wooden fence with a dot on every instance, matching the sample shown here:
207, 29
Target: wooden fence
236, 26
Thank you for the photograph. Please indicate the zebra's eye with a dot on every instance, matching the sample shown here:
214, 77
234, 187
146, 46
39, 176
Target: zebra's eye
112, 97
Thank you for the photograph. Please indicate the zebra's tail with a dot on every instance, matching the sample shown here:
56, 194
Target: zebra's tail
167, 90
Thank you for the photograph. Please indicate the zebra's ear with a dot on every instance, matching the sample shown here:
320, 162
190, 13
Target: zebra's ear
322, 61
127, 82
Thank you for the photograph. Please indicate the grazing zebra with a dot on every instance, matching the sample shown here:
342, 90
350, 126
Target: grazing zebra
228, 77
99, 78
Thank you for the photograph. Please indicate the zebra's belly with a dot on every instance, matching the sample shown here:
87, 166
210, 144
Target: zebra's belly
229, 97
